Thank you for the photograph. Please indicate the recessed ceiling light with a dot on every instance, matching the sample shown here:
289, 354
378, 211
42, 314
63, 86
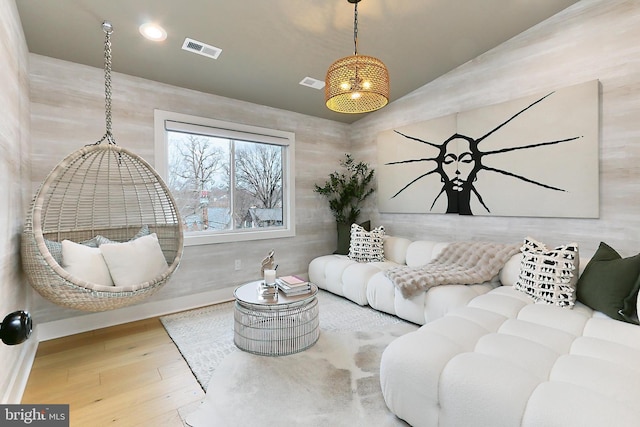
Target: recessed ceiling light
153, 32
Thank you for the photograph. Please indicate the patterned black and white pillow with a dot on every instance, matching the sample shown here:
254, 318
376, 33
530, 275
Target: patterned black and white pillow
549, 275
366, 246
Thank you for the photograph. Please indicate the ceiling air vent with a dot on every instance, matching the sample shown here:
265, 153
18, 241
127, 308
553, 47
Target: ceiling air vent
311, 82
200, 48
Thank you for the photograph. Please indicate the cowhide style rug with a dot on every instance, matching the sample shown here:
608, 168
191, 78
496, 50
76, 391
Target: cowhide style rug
334, 383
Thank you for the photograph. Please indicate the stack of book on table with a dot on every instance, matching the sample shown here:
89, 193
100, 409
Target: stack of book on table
293, 285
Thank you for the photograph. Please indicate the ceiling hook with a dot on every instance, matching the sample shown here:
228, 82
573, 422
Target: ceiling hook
107, 27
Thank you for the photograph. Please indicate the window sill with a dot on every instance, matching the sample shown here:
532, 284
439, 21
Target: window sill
199, 238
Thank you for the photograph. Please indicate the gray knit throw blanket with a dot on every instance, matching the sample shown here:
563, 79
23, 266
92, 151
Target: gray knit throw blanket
459, 263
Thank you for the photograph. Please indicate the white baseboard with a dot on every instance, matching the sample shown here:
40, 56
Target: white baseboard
89, 322
20, 372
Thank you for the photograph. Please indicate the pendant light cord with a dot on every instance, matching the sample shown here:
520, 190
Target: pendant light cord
355, 28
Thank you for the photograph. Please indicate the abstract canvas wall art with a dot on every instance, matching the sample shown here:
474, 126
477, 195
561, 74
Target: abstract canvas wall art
535, 156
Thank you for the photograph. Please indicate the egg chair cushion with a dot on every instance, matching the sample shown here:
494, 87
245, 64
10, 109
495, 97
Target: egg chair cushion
55, 249
85, 263
135, 262
101, 240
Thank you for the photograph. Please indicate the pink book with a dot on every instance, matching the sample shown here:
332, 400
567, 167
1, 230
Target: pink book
293, 280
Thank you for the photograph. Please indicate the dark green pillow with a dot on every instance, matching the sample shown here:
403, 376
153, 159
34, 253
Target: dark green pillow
631, 305
344, 236
607, 280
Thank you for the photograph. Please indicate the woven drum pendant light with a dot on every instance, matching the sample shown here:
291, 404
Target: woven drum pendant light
356, 83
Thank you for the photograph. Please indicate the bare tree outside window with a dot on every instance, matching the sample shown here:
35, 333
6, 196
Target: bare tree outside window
199, 179
259, 188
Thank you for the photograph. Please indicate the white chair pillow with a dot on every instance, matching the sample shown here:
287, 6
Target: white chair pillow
136, 261
85, 263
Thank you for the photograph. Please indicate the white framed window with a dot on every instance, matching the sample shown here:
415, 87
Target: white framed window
231, 182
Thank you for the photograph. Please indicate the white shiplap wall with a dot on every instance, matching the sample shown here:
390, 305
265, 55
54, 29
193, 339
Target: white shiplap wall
593, 39
14, 193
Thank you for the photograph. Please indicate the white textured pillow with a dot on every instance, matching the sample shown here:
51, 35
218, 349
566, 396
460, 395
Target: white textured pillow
549, 276
134, 262
366, 246
85, 263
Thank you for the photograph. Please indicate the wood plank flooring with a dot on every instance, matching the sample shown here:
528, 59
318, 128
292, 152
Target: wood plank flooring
126, 375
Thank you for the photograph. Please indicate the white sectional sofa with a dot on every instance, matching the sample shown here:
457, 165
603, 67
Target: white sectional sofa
488, 355
503, 360
365, 283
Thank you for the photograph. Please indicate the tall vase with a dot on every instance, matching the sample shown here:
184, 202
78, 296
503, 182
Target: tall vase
344, 238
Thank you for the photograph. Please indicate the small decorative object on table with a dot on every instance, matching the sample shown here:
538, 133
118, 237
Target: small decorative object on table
268, 263
267, 289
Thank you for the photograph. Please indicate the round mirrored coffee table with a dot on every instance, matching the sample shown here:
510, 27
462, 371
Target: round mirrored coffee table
275, 327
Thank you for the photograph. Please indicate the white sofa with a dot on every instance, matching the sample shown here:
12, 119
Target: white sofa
365, 283
503, 360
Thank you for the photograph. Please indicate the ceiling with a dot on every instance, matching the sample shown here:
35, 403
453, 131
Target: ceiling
268, 47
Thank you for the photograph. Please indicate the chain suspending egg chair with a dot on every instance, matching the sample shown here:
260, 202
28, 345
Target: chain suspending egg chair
98, 190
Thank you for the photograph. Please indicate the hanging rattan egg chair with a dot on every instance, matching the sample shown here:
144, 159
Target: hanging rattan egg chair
99, 190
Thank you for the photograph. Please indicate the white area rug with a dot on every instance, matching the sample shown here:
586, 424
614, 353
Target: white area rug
205, 336
335, 382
